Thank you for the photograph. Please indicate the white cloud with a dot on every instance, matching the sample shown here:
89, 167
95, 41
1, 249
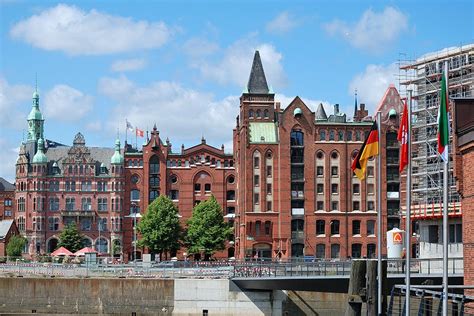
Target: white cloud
374, 32
115, 87
9, 156
74, 31
11, 98
128, 65
372, 84
182, 114
234, 67
199, 47
282, 23
65, 103
95, 126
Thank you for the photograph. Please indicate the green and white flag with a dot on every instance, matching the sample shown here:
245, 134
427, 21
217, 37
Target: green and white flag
443, 121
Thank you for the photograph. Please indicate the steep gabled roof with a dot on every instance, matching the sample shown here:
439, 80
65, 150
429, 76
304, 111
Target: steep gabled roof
5, 185
257, 82
321, 113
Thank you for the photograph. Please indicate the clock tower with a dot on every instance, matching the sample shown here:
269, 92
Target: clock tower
35, 121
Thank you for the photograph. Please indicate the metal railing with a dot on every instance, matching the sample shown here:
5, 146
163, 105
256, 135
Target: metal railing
424, 301
218, 269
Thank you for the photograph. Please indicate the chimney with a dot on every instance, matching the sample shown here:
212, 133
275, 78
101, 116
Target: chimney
362, 106
336, 109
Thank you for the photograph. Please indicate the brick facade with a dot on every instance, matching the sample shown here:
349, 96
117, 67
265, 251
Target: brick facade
7, 199
287, 186
463, 161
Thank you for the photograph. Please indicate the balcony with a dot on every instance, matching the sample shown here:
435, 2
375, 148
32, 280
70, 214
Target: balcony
79, 213
297, 235
297, 211
393, 195
297, 194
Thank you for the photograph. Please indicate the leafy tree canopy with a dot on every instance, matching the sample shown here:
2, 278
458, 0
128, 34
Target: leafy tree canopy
159, 228
15, 246
207, 231
70, 238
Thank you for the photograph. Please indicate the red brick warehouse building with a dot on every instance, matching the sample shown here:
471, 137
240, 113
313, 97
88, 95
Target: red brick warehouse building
288, 183
188, 176
57, 185
297, 195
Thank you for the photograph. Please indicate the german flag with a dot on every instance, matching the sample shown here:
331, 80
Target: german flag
369, 149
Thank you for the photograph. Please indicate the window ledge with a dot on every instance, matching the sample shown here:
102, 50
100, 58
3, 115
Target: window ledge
321, 235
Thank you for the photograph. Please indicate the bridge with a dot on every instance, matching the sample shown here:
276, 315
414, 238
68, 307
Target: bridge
327, 276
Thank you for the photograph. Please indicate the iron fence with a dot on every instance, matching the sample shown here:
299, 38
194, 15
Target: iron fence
428, 302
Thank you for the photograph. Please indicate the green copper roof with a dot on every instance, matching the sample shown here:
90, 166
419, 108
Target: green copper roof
117, 158
263, 133
392, 112
297, 111
35, 113
40, 157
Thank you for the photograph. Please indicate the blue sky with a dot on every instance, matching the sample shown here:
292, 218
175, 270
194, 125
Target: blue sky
183, 64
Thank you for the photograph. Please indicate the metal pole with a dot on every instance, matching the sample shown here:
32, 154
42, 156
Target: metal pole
445, 214
408, 210
135, 236
379, 216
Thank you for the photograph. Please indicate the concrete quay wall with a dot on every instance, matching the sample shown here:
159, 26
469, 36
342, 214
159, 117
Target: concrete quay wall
116, 296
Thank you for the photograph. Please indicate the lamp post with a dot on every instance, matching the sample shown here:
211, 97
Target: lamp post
135, 215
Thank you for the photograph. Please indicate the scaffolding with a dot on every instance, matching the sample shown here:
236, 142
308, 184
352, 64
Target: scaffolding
423, 77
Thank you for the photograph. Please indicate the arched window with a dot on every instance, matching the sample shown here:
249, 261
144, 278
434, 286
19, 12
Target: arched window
251, 114
297, 250
322, 135
265, 113
331, 135
296, 138
259, 114
356, 251
320, 227
335, 251
320, 251
154, 165
102, 245
153, 195
135, 195
371, 251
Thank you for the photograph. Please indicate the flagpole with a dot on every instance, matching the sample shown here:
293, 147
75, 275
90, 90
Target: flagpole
408, 209
126, 130
379, 215
445, 208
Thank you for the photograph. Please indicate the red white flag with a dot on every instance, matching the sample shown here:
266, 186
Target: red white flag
403, 138
139, 132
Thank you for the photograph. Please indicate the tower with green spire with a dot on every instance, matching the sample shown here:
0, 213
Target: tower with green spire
117, 158
35, 121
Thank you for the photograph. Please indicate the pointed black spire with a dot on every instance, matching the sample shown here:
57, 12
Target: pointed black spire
257, 81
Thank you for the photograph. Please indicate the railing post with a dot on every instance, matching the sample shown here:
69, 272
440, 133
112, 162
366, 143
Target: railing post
421, 309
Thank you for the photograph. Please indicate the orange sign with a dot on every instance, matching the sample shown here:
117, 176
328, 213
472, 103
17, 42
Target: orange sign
397, 238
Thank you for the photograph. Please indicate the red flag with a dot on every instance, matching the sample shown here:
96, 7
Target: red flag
403, 138
139, 132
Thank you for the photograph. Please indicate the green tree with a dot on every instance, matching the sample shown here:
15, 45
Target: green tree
70, 238
207, 231
159, 228
15, 246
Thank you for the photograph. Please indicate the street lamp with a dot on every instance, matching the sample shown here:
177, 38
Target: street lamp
135, 215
